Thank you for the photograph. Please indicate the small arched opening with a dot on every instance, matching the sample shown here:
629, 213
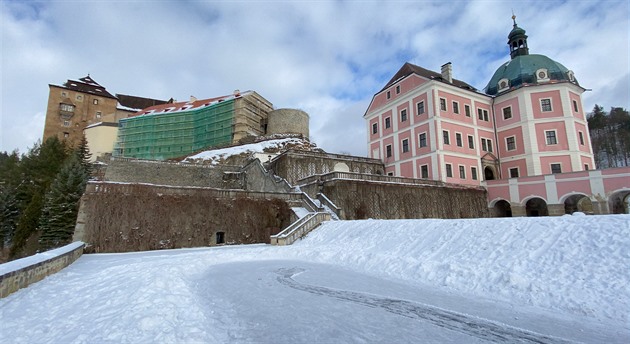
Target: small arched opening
220, 238
536, 207
619, 202
488, 173
579, 203
502, 209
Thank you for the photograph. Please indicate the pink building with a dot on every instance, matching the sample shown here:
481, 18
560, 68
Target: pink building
528, 121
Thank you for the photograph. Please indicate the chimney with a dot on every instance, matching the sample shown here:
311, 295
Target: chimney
193, 99
447, 72
237, 93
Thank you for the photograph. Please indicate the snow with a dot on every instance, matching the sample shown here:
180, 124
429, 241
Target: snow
547, 279
217, 154
19, 264
300, 212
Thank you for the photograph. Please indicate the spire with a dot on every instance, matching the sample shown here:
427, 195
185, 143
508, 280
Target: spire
517, 40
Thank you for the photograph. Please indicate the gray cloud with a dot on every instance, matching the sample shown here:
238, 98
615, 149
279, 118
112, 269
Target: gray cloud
326, 57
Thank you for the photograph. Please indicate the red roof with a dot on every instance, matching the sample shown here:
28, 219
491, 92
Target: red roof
183, 106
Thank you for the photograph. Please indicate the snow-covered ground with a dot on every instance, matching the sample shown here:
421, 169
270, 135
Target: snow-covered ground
547, 279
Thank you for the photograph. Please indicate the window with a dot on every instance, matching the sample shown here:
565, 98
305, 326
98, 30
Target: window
442, 104
403, 115
456, 107
510, 143
98, 114
545, 104
420, 108
79, 97
556, 168
66, 135
483, 114
467, 110
550, 136
398, 89
585, 167
405, 145
388, 122
220, 236
424, 171
388, 151
95, 101
374, 128
422, 140
486, 145
471, 142
514, 172
64, 94
507, 112
66, 123
473, 173
449, 170
391, 174
575, 106
462, 172
66, 107
445, 137
389, 95
581, 136
458, 139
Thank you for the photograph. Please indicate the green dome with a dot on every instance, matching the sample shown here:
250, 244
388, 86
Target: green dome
516, 31
521, 70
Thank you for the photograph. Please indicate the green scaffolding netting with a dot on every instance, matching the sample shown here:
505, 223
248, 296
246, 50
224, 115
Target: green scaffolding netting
173, 134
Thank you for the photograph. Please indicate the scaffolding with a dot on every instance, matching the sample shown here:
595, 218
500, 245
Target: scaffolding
166, 135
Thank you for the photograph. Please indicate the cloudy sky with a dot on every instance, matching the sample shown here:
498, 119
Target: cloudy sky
327, 58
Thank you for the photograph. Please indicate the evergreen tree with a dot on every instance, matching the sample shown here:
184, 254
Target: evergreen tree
61, 205
9, 202
84, 155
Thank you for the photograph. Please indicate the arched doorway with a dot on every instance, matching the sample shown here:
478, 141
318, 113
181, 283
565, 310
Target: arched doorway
579, 203
502, 209
488, 173
619, 202
536, 207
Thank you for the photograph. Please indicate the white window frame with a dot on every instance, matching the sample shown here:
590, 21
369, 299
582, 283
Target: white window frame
507, 144
397, 89
555, 137
507, 115
389, 151
473, 173
459, 142
405, 143
426, 167
374, 128
67, 124
403, 112
388, 122
462, 171
420, 141
581, 138
467, 110
449, 170
443, 105
95, 101
555, 163
575, 106
418, 107
471, 142
455, 107
446, 135
518, 173
388, 95
542, 106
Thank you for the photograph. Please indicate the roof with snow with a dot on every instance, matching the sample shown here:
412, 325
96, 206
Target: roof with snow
192, 104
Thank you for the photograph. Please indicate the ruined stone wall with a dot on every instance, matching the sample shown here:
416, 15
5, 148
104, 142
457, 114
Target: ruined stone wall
296, 165
166, 173
133, 217
365, 199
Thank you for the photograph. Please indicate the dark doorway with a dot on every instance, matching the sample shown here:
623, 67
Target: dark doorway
220, 238
536, 207
579, 203
502, 209
488, 173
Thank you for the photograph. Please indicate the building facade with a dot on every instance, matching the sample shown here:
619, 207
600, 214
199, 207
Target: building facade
528, 121
79, 103
178, 129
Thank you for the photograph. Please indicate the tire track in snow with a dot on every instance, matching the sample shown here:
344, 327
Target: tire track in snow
481, 328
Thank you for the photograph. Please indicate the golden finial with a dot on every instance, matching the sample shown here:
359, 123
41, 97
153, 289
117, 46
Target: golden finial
513, 17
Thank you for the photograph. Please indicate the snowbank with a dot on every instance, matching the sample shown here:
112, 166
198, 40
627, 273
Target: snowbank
575, 264
21, 263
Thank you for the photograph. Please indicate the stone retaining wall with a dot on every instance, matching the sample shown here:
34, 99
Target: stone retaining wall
15, 280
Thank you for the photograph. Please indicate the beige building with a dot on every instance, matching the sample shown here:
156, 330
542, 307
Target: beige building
79, 103
101, 138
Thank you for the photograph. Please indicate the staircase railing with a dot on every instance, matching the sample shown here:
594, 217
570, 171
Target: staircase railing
299, 228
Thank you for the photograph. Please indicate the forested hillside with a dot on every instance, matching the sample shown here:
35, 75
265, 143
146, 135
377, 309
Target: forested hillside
39, 194
610, 136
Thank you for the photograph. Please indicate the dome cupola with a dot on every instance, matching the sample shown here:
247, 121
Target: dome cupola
517, 41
